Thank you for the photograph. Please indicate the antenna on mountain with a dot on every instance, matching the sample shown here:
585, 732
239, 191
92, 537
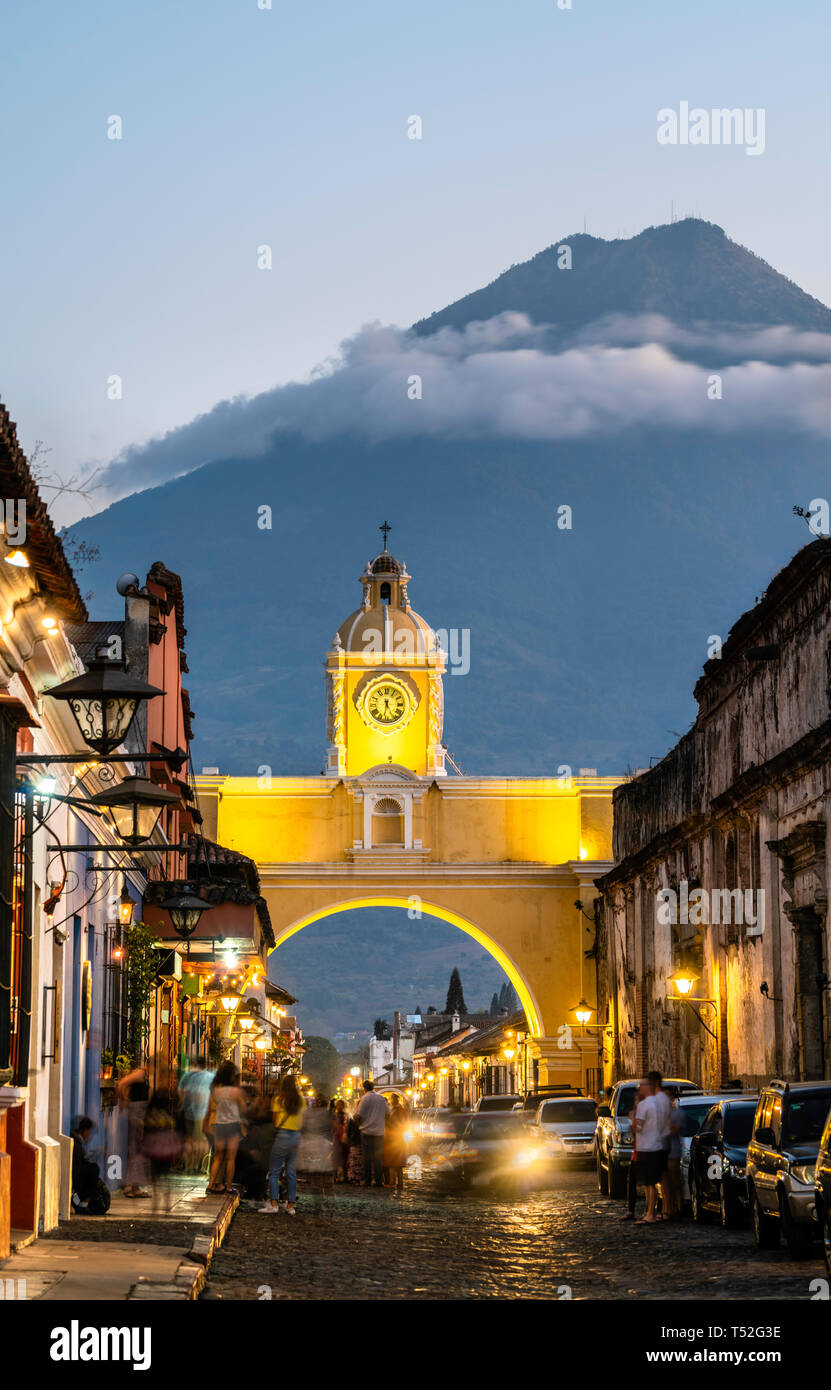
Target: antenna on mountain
585, 224
672, 212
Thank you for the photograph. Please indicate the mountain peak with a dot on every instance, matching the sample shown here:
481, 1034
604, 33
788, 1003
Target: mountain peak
689, 271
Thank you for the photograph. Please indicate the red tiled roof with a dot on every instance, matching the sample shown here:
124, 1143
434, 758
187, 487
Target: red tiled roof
47, 559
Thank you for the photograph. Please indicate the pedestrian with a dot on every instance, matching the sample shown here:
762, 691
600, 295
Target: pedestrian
632, 1176
370, 1114
251, 1168
671, 1184
288, 1112
194, 1095
340, 1147
162, 1143
652, 1129
230, 1102
355, 1162
395, 1145
133, 1094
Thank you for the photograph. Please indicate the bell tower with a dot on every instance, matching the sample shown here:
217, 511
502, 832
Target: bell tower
384, 692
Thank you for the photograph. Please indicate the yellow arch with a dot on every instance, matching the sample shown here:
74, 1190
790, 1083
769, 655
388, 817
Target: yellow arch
455, 919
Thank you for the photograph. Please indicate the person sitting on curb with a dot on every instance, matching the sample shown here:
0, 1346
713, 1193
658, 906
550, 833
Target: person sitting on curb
90, 1196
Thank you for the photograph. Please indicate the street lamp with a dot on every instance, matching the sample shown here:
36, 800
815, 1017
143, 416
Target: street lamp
104, 701
583, 1012
230, 1000
184, 910
134, 807
42, 795
126, 907
684, 982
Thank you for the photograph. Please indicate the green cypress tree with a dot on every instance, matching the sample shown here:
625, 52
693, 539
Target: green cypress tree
455, 995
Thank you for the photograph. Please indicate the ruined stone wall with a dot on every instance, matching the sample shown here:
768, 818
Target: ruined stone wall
741, 804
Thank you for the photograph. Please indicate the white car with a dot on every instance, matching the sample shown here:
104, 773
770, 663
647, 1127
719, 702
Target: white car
565, 1125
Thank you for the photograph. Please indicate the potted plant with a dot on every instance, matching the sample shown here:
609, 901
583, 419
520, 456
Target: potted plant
107, 1063
123, 1063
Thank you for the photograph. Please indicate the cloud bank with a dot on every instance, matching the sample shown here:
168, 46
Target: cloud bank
510, 378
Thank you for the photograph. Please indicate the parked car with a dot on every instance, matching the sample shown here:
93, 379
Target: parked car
822, 1191
691, 1107
613, 1135
788, 1126
718, 1158
497, 1148
531, 1103
490, 1103
565, 1126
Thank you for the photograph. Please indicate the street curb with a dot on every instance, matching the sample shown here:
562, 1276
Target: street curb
192, 1273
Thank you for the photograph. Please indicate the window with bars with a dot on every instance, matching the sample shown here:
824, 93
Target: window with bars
114, 1023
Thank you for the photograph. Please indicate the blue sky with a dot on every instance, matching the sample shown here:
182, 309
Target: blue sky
289, 127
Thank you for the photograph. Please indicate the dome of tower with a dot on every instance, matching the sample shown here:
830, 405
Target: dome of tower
358, 632
385, 622
385, 564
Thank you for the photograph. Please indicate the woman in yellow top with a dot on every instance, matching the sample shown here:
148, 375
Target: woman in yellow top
288, 1111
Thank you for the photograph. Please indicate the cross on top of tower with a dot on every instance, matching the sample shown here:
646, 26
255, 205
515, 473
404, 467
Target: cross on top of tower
386, 528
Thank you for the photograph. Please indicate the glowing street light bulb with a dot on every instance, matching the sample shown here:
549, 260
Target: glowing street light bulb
684, 983
583, 1012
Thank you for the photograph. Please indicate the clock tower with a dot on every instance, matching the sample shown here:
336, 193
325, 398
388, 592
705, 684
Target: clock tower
384, 694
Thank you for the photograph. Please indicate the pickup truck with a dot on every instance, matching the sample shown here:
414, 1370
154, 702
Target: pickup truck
613, 1136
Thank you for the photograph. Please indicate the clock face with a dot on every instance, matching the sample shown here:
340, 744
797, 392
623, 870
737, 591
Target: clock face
387, 703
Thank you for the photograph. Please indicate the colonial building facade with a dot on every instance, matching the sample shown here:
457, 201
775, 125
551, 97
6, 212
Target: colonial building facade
508, 860
720, 885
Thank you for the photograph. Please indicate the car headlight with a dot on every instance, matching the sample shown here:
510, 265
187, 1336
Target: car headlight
530, 1155
554, 1141
623, 1139
804, 1172
734, 1170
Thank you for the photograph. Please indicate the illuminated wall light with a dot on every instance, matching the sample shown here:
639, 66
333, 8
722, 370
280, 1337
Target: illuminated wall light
17, 558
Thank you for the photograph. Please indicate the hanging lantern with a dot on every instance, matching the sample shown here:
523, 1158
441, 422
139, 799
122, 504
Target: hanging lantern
184, 910
104, 701
126, 907
230, 1000
134, 807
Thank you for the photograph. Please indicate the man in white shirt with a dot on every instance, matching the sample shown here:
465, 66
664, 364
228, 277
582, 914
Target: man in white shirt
370, 1115
652, 1127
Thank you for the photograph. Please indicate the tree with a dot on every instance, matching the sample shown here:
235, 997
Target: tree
455, 995
382, 1030
321, 1063
494, 1008
511, 998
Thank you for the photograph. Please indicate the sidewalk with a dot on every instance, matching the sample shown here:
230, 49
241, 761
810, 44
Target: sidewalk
142, 1249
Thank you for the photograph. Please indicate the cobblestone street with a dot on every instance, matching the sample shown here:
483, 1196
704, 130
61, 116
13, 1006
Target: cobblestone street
438, 1244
